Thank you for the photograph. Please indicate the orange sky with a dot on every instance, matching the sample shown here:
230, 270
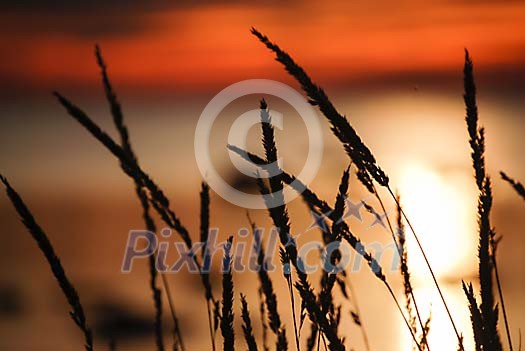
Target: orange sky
198, 47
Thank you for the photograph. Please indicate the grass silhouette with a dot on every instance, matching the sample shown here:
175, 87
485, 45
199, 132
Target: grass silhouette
43, 242
321, 309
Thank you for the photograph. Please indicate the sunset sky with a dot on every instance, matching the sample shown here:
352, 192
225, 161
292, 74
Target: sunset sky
168, 59
192, 46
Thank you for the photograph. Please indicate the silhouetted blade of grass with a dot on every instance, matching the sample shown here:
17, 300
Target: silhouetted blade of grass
247, 326
302, 285
312, 339
204, 232
206, 258
355, 148
262, 316
226, 321
339, 206
278, 211
118, 120
515, 184
269, 295
476, 134
116, 110
38, 234
157, 300
328, 279
303, 316
475, 317
487, 248
282, 343
216, 315
364, 178
159, 201
317, 315
403, 268
410, 302
424, 332
205, 219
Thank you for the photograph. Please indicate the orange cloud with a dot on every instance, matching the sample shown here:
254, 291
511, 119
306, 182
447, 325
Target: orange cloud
203, 47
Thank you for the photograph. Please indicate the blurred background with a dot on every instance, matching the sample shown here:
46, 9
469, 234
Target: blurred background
394, 68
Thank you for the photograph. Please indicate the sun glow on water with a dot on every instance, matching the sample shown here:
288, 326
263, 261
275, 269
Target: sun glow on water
443, 215
442, 209
441, 335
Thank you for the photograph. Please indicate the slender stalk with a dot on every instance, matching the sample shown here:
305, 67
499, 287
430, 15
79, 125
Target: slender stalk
204, 233
502, 300
262, 316
210, 324
278, 209
280, 217
518, 187
292, 301
118, 119
331, 237
403, 315
487, 244
358, 311
158, 199
247, 326
270, 298
176, 326
227, 315
434, 279
77, 313
314, 336
475, 316
383, 208
315, 312
322, 337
